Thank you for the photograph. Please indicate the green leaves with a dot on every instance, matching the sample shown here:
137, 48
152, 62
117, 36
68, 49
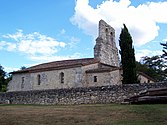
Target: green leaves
154, 66
164, 50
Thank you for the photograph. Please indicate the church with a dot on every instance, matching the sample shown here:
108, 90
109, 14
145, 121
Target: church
101, 70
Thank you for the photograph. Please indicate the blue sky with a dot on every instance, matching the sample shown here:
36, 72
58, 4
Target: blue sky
38, 31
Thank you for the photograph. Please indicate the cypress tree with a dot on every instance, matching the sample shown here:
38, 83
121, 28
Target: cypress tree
127, 57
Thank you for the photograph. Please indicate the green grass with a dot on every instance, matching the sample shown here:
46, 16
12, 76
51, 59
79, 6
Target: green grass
98, 114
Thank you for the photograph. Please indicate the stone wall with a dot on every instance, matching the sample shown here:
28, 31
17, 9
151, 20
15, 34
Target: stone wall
73, 77
102, 94
107, 78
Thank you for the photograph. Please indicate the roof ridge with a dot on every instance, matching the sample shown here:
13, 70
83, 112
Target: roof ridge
60, 65
59, 61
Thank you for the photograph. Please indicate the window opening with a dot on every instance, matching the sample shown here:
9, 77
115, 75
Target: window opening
95, 78
61, 77
39, 79
22, 82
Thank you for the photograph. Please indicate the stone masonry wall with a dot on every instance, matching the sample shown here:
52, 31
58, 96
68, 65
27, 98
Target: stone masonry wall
105, 48
102, 94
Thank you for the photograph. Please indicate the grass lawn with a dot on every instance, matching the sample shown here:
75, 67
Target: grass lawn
97, 114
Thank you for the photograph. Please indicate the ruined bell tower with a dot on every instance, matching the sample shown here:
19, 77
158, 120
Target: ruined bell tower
105, 48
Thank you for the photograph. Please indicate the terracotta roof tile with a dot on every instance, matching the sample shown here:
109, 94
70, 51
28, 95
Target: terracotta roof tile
59, 65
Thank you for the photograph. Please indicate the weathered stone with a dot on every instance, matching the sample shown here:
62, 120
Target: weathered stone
89, 95
105, 48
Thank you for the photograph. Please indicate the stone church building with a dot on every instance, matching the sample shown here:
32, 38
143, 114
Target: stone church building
101, 70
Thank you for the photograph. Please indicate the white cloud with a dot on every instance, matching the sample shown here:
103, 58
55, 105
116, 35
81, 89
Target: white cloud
145, 52
2, 44
164, 40
141, 20
63, 31
15, 36
38, 47
32, 44
73, 42
9, 69
8, 46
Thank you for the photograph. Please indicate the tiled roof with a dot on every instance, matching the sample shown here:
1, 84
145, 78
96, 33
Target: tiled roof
145, 75
59, 65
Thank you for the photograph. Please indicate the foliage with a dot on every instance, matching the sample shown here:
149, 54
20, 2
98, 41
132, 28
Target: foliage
23, 67
127, 57
2, 77
164, 50
154, 67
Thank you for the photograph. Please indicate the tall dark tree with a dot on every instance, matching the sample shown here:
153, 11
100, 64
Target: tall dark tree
2, 77
164, 50
127, 57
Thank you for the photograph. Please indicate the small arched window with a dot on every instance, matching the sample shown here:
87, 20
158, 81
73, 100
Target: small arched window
95, 78
22, 82
106, 31
39, 79
61, 77
107, 34
111, 36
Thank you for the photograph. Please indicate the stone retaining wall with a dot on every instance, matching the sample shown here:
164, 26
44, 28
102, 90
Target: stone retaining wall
103, 94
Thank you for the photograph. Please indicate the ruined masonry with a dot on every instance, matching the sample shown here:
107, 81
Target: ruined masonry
105, 48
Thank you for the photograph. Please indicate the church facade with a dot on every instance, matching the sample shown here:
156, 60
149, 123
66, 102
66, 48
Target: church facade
101, 70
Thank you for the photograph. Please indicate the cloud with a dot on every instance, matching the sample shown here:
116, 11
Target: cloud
73, 42
8, 46
145, 52
164, 40
63, 31
9, 69
38, 47
33, 44
141, 20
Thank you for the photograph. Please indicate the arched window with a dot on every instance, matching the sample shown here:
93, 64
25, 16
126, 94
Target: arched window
111, 36
61, 77
106, 30
39, 79
22, 82
107, 34
95, 79
111, 33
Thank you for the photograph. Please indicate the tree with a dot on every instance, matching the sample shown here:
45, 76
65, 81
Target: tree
2, 77
127, 57
23, 67
164, 50
154, 67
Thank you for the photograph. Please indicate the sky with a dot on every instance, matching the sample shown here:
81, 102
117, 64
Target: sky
39, 31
